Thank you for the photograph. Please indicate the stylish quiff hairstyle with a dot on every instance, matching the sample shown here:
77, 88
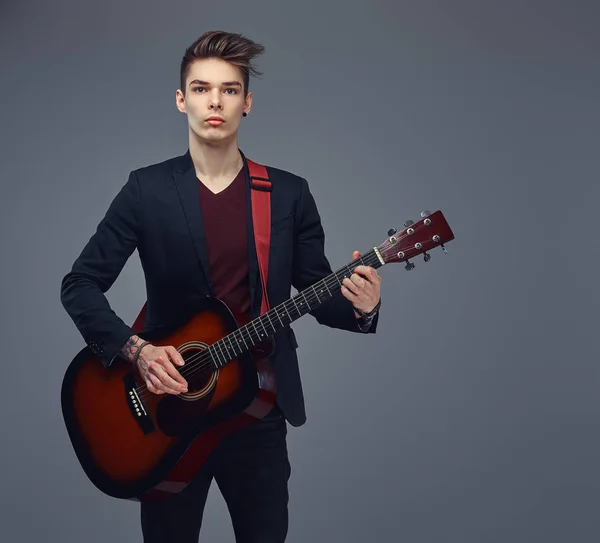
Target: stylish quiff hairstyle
234, 48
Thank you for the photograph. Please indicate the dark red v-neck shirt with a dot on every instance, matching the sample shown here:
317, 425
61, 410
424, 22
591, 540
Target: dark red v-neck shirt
224, 216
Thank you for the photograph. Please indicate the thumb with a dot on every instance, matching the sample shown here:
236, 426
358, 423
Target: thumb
355, 255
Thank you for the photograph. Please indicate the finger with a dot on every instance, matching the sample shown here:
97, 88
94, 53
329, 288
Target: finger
369, 273
358, 280
167, 383
175, 355
175, 378
373, 275
153, 385
172, 370
164, 386
359, 286
349, 294
153, 389
350, 285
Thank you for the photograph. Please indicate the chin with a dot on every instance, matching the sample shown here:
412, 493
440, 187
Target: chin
206, 133
213, 137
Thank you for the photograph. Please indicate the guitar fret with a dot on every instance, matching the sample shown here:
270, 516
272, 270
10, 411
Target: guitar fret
282, 325
270, 321
288, 313
217, 365
318, 299
257, 334
263, 325
299, 312
242, 336
221, 349
232, 347
221, 354
227, 353
217, 355
324, 284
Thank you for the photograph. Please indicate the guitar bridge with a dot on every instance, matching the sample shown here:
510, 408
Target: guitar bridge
136, 405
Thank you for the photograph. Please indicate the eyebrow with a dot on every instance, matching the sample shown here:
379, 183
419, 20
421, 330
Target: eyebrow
225, 83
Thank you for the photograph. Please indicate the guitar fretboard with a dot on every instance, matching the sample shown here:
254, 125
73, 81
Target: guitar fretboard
267, 324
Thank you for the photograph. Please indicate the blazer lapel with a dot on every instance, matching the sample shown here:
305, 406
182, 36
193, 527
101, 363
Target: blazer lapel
186, 182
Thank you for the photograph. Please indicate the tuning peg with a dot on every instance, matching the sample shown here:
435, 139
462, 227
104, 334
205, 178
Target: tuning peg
444, 248
425, 213
409, 266
408, 223
392, 231
426, 256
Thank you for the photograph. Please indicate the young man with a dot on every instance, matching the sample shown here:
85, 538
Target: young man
190, 218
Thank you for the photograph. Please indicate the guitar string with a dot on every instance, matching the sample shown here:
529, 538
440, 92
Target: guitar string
203, 360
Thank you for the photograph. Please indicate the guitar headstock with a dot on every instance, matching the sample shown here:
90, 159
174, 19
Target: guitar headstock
417, 238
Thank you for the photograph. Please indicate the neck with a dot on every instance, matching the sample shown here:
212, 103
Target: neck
270, 322
214, 161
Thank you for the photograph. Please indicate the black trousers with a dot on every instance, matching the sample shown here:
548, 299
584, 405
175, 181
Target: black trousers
251, 469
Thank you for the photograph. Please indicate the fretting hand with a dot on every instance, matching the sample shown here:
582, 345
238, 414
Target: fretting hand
363, 287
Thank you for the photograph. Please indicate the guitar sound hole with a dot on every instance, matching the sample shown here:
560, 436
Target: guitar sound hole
199, 372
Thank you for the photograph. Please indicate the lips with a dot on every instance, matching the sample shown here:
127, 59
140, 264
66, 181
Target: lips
215, 121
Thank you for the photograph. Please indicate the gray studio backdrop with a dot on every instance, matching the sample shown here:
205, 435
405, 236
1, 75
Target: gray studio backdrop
473, 415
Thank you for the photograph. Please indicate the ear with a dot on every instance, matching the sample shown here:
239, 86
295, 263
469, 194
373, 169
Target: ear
180, 101
248, 103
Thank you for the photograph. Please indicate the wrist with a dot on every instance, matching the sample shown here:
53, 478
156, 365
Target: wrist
138, 353
364, 320
131, 347
360, 314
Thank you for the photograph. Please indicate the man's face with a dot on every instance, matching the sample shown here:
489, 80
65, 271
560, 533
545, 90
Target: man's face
214, 88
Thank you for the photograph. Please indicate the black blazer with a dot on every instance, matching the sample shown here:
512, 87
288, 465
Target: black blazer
158, 213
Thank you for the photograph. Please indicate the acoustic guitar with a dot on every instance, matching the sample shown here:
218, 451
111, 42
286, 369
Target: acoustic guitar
136, 445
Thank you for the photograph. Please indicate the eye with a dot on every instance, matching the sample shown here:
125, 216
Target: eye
198, 89
234, 91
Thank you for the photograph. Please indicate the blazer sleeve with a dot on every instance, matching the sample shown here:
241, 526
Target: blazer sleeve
97, 268
311, 265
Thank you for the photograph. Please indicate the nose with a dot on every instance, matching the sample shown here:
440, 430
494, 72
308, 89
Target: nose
215, 102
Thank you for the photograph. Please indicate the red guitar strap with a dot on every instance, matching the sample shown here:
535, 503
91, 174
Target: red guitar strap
261, 218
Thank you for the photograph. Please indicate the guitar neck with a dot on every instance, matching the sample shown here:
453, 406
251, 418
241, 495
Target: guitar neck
267, 324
